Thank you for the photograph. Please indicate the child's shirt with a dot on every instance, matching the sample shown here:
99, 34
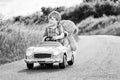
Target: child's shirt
53, 31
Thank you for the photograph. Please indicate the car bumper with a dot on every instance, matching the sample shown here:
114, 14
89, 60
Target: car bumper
43, 60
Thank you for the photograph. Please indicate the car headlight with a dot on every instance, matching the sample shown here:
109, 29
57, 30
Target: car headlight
56, 54
29, 52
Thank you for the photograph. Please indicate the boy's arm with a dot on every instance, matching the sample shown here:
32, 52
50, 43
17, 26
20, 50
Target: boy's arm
61, 36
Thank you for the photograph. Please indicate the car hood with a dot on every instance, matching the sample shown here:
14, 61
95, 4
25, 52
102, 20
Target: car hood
54, 50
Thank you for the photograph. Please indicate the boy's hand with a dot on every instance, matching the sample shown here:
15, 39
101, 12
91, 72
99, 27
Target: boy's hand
54, 37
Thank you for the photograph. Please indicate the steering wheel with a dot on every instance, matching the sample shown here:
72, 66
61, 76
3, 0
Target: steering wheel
49, 39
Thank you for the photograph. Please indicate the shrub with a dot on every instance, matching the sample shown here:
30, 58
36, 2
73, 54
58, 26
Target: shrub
101, 25
95, 9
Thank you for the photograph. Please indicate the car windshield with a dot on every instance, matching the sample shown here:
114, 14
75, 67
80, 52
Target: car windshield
50, 43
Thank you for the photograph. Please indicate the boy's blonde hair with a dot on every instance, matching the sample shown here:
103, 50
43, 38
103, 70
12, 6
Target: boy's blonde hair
56, 15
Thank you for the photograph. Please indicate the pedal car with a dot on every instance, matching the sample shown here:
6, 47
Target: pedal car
49, 52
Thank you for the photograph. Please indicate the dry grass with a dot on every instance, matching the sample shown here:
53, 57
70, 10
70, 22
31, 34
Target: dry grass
14, 39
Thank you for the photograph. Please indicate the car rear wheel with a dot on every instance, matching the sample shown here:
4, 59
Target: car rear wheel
71, 61
30, 65
64, 63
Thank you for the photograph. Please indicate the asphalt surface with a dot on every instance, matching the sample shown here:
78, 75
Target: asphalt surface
97, 58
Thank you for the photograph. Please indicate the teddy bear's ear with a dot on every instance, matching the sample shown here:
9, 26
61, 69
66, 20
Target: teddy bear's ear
55, 14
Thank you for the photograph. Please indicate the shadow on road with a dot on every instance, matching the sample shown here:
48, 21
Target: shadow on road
41, 69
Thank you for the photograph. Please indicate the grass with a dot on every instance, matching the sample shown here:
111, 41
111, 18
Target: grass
106, 25
14, 39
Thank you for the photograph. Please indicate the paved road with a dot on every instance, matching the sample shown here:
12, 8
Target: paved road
97, 58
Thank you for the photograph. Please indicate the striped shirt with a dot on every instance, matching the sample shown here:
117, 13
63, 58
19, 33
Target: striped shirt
51, 31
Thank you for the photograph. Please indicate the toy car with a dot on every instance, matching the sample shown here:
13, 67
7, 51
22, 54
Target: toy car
48, 53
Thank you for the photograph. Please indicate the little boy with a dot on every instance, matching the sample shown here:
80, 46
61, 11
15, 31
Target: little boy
54, 29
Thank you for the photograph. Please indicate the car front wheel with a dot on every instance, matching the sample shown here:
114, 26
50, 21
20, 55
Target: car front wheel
64, 63
72, 60
30, 65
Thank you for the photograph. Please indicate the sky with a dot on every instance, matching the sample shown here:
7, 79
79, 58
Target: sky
10, 8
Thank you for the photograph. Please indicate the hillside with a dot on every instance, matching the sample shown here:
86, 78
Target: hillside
100, 26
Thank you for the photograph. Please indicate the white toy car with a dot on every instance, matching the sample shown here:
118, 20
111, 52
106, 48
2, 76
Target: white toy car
48, 53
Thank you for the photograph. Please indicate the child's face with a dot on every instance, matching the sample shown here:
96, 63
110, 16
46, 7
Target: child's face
52, 20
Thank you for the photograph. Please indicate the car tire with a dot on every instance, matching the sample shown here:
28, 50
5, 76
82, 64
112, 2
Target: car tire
71, 61
41, 64
30, 65
49, 65
64, 63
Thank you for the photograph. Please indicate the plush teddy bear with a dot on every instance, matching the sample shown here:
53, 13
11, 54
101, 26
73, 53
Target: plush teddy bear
71, 28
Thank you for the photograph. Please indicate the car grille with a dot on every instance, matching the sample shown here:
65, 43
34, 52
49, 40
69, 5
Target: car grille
42, 55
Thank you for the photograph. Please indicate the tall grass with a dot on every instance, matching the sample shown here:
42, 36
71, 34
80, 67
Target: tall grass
14, 39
